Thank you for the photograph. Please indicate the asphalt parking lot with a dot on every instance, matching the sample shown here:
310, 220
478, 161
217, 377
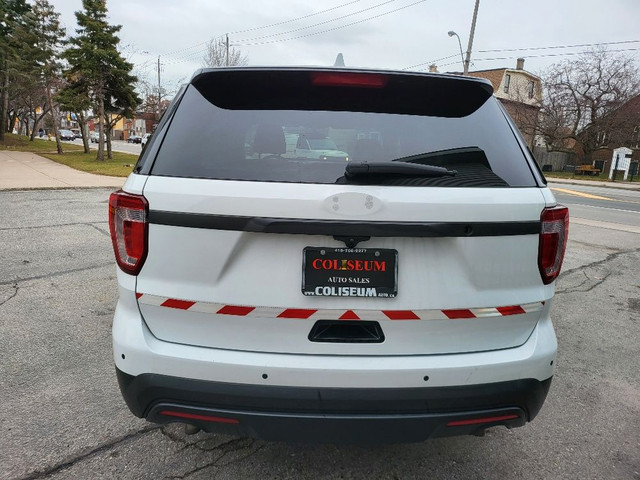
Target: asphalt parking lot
62, 415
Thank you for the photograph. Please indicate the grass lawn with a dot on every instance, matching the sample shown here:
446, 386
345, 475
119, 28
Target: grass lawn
120, 165
21, 143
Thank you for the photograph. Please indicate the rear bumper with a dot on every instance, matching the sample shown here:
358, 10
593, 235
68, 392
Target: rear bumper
337, 415
137, 351
327, 398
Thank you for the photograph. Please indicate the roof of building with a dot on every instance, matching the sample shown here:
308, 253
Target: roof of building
494, 76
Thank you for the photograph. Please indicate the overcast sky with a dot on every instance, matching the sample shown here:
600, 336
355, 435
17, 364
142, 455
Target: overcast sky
397, 38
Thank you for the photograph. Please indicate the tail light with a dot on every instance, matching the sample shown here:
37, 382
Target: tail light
553, 241
129, 230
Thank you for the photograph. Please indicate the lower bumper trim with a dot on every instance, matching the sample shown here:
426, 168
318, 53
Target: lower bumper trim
337, 428
333, 415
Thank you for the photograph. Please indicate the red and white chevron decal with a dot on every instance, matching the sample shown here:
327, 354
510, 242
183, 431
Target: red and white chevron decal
335, 314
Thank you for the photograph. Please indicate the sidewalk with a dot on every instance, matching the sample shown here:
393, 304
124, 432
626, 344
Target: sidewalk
594, 183
24, 170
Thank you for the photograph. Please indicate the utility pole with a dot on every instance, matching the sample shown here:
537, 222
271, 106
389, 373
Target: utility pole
159, 89
470, 45
227, 45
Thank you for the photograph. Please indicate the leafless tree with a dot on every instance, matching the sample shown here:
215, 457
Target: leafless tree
147, 88
216, 55
584, 101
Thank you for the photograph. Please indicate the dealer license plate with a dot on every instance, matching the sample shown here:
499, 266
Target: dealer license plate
350, 272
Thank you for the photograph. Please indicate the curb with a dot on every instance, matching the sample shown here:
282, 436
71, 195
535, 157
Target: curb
595, 183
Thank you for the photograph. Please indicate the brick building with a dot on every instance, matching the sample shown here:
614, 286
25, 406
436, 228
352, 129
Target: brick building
521, 94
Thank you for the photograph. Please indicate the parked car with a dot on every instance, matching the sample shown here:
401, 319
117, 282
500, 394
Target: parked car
145, 139
402, 295
66, 135
134, 139
76, 133
319, 147
95, 137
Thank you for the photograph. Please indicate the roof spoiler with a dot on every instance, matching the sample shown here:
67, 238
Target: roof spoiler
349, 90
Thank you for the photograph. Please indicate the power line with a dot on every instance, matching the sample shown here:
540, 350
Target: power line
557, 46
554, 54
189, 56
191, 47
532, 48
319, 24
263, 27
332, 29
294, 19
430, 62
564, 54
192, 55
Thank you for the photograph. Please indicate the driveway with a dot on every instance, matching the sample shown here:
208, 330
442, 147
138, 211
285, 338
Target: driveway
24, 170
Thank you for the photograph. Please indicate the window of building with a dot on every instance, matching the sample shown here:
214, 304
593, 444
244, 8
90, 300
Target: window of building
531, 89
507, 81
601, 139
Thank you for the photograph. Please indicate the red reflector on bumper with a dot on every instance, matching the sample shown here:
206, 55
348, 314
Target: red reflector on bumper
235, 310
513, 310
477, 421
349, 315
453, 314
296, 313
400, 315
193, 416
179, 304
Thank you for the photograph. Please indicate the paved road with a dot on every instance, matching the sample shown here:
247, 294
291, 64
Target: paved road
601, 207
116, 145
62, 415
121, 146
597, 197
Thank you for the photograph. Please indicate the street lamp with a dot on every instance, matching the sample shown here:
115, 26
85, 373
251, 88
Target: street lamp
451, 33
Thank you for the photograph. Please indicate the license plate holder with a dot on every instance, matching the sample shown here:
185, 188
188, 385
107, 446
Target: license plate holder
350, 272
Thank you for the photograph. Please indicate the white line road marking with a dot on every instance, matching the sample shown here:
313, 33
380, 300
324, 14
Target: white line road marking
608, 225
603, 208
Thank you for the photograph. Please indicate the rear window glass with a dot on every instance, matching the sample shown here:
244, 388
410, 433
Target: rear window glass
309, 146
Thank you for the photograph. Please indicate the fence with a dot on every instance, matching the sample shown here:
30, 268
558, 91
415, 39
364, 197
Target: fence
557, 160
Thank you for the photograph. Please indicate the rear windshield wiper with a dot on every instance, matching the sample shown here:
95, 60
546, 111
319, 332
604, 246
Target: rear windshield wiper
358, 169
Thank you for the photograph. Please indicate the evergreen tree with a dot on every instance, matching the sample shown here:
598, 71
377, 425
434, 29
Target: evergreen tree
49, 34
121, 102
94, 60
12, 16
25, 93
74, 97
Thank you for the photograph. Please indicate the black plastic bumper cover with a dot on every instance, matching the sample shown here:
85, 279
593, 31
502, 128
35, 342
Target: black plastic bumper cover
353, 415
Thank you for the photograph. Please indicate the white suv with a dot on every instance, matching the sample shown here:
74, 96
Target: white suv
318, 147
401, 295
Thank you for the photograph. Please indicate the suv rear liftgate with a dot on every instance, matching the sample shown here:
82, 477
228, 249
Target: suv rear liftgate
425, 241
